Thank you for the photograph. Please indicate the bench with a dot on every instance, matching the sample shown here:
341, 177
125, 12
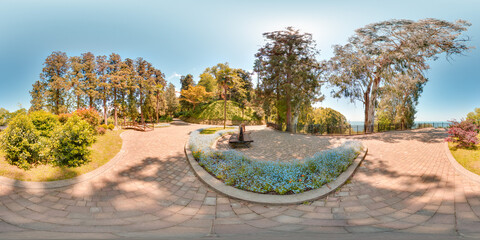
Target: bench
241, 139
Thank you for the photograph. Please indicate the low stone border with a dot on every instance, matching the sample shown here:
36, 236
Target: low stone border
66, 182
459, 167
236, 193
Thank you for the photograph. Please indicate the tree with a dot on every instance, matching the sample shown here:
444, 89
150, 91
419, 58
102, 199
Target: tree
398, 100
328, 116
103, 89
144, 83
226, 76
131, 89
89, 80
38, 96
474, 116
378, 52
186, 82
208, 81
55, 82
288, 71
171, 99
158, 89
4, 116
196, 95
117, 82
76, 76
242, 89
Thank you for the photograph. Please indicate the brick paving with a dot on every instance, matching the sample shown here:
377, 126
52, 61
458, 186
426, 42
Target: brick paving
404, 186
271, 145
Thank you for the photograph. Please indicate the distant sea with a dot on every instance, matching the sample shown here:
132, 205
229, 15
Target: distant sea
433, 123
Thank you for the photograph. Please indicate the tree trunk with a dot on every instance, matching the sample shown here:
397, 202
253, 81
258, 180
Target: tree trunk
57, 102
105, 110
289, 113
115, 105
371, 105
157, 107
141, 107
225, 108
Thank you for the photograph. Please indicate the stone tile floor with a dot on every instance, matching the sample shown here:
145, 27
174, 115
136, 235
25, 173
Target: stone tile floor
272, 145
404, 186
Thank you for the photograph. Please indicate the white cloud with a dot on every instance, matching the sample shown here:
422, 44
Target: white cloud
174, 76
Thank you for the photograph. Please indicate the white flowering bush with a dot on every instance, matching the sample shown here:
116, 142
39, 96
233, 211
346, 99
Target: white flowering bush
237, 170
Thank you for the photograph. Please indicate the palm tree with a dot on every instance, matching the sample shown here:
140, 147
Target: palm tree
226, 76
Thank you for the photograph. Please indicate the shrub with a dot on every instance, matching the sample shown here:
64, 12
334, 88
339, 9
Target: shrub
104, 126
44, 122
165, 118
100, 130
90, 115
72, 141
20, 142
111, 126
464, 133
63, 117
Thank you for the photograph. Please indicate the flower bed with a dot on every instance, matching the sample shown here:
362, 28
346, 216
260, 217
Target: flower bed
237, 170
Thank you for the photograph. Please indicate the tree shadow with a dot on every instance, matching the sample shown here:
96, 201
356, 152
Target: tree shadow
155, 192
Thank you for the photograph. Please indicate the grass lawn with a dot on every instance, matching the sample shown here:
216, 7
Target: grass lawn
104, 149
213, 130
468, 158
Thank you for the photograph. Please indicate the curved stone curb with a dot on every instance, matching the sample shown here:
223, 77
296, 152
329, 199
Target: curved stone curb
66, 182
232, 192
459, 167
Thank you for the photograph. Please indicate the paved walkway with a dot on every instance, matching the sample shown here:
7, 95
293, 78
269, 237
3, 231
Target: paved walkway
405, 186
272, 145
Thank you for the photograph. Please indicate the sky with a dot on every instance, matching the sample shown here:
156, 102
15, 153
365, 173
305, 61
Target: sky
185, 37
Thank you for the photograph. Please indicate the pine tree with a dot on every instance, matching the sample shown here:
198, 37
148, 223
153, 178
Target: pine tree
117, 82
38, 96
54, 79
89, 80
76, 76
103, 89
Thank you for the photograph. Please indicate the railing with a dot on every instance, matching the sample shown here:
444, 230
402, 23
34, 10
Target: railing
349, 129
138, 126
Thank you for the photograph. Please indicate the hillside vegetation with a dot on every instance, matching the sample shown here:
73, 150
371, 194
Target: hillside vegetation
214, 111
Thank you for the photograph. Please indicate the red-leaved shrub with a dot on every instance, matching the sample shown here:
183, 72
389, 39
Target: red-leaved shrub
464, 133
90, 115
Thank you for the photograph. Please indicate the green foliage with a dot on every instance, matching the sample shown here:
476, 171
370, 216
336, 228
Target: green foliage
63, 118
208, 81
213, 130
4, 116
53, 88
20, 142
72, 142
380, 52
110, 126
214, 111
165, 118
195, 95
328, 116
104, 126
474, 116
44, 122
90, 115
